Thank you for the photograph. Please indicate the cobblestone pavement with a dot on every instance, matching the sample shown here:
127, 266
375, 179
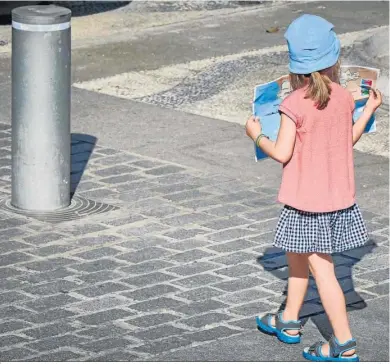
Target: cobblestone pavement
184, 261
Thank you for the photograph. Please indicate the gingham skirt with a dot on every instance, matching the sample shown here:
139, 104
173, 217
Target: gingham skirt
330, 232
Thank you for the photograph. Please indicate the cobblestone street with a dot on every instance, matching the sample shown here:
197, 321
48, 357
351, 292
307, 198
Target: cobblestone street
185, 260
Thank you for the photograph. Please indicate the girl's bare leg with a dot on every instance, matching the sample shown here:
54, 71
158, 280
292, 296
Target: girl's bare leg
298, 279
332, 297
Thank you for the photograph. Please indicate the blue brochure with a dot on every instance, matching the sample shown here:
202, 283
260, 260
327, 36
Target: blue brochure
268, 96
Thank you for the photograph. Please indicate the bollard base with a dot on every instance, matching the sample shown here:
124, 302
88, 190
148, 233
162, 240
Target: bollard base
79, 208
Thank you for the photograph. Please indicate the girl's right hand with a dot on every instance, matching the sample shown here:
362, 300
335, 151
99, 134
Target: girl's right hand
373, 101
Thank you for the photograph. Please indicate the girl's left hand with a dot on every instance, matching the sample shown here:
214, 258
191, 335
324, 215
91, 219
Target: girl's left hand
253, 127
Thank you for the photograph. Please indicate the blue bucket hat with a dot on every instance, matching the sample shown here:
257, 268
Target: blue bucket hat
312, 44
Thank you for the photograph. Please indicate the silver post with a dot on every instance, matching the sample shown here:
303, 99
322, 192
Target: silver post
41, 58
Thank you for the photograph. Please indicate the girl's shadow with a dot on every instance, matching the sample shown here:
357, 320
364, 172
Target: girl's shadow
274, 261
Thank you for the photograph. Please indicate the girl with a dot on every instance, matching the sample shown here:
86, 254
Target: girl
320, 217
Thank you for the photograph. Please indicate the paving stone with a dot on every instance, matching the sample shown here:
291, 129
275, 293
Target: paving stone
95, 241
87, 229
143, 243
143, 230
150, 292
192, 268
186, 219
51, 316
106, 344
103, 331
252, 309
310, 308
377, 276
53, 343
200, 307
97, 265
65, 355
260, 202
146, 267
12, 222
9, 272
240, 284
265, 226
14, 325
186, 195
238, 270
103, 289
116, 356
227, 210
99, 304
145, 164
381, 261
46, 289
200, 294
156, 304
98, 277
212, 334
104, 316
47, 251
232, 246
13, 258
124, 178
231, 234
159, 332
148, 279
203, 204
247, 323
47, 303
48, 276
43, 238
190, 256
206, 320
115, 170
244, 296
49, 264
198, 280
152, 320
164, 170
263, 239
15, 354
225, 223
86, 186
11, 297
264, 214
235, 258
10, 340
380, 289
188, 244
162, 211
97, 194
144, 255
8, 234
97, 253
132, 195
125, 220
181, 234
169, 343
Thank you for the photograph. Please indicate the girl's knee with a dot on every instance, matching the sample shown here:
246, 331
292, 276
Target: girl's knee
321, 265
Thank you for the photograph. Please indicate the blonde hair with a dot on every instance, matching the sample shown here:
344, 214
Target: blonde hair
318, 84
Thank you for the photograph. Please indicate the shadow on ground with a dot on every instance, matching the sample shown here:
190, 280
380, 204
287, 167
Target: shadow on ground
82, 146
274, 261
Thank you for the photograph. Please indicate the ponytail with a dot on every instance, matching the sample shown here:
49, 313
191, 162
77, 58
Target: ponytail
319, 89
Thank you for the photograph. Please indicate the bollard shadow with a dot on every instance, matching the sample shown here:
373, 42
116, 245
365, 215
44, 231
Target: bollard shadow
274, 261
82, 146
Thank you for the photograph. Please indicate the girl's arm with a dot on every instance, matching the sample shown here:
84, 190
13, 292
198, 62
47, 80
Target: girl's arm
372, 104
282, 149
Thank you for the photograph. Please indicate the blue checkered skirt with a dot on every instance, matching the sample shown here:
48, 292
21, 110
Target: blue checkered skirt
330, 232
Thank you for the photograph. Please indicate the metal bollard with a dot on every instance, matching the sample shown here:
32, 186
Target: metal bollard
41, 70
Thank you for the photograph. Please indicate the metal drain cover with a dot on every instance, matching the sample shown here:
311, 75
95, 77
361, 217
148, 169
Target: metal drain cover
80, 207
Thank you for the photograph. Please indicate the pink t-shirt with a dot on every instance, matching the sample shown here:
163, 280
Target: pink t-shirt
320, 175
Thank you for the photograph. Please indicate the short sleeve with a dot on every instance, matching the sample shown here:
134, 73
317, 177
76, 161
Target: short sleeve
289, 106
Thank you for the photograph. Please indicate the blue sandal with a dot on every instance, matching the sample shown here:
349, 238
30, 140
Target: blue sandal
336, 351
264, 324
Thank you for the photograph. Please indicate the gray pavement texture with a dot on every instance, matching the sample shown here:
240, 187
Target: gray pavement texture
179, 270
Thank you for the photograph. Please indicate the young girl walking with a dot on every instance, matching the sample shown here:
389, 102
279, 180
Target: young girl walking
320, 216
